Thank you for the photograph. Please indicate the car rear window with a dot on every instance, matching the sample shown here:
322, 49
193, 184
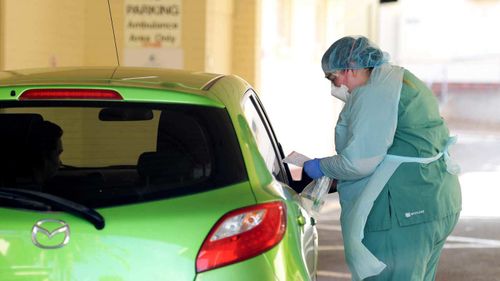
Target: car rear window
117, 153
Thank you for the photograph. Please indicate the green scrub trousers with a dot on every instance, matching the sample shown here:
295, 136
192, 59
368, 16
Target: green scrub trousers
417, 248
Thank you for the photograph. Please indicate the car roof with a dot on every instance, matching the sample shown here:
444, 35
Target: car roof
154, 78
193, 87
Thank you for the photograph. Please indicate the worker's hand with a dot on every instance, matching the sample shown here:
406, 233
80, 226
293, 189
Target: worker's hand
312, 168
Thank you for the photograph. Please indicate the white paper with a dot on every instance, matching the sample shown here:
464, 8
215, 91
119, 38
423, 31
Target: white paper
296, 159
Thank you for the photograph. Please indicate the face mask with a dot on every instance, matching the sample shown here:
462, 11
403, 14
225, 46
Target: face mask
341, 92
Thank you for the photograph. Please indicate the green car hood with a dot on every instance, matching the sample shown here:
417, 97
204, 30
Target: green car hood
156, 240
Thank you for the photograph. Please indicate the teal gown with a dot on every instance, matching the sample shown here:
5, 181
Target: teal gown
392, 163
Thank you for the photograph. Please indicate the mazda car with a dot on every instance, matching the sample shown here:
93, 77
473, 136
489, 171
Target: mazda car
122, 173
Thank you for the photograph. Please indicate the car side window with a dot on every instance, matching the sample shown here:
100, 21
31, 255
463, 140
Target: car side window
261, 131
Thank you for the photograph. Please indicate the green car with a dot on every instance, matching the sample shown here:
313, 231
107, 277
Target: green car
159, 175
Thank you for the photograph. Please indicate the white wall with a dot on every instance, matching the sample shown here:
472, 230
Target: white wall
296, 33
294, 90
451, 40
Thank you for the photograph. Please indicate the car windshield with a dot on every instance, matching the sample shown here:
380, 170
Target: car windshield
112, 153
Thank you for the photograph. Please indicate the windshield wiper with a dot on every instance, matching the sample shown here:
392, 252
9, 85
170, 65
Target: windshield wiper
16, 201
22, 196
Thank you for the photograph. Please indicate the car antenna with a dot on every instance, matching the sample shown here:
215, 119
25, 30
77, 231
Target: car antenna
114, 35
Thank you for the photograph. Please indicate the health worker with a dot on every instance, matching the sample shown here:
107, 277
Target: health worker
398, 188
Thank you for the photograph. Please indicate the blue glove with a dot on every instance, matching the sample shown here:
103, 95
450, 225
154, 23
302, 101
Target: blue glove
312, 169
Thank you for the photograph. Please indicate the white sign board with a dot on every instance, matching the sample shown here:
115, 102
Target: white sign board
154, 57
152, 23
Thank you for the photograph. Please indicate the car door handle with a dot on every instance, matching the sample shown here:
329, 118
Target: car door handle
301, 220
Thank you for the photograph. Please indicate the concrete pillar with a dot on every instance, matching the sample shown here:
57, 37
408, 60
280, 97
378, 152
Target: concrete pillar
194, 33
219, 27
2, 31
358, 17
98, 43
246, 40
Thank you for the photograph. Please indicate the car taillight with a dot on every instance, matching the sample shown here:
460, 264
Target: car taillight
242, 234
47, 94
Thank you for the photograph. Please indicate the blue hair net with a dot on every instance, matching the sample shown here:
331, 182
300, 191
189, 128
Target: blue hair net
352, 53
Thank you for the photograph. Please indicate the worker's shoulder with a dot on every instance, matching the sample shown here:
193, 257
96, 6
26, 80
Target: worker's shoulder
412, 83
416, 93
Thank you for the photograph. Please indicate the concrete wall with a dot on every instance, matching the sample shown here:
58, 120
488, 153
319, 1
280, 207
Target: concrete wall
56, 23
98, 44
217, 35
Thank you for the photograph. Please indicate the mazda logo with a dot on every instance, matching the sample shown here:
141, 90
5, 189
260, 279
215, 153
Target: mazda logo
50, 234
